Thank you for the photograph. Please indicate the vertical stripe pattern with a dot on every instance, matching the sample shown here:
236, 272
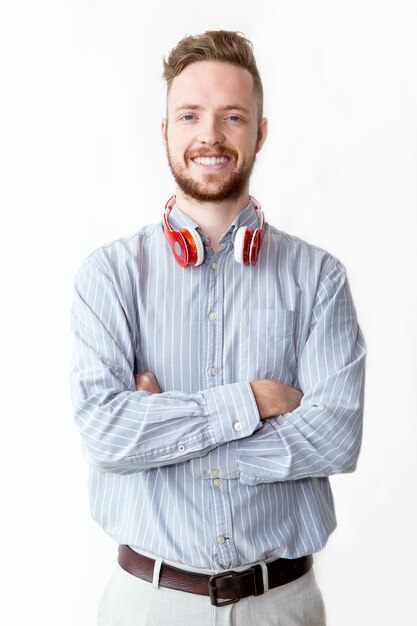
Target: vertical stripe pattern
192, 474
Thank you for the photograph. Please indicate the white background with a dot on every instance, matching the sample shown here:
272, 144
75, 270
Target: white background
81, 163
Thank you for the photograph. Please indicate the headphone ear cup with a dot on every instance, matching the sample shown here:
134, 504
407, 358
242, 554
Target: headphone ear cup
179, 247
194, 245
255, 246
242, 244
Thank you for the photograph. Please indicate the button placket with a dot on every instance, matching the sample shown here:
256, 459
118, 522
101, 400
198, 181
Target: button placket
213, 325
225, 552
224, 549
211, 356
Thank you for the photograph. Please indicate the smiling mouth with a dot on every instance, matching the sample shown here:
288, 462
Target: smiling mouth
211, 161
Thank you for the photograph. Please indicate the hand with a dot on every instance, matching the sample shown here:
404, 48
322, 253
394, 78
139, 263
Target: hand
275, 398
146, 381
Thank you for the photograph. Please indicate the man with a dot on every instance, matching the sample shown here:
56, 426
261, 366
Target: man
218, 376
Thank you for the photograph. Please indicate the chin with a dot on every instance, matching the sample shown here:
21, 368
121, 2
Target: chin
211, 195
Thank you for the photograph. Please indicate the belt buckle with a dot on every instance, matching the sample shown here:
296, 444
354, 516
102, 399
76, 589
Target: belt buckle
213, 589
258, 585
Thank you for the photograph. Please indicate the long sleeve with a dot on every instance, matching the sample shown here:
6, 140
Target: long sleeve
323, 435
124, 430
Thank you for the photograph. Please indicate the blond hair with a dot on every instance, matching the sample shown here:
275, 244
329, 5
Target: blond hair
214, 45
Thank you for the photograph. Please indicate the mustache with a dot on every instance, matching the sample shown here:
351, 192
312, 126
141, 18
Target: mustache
219, 150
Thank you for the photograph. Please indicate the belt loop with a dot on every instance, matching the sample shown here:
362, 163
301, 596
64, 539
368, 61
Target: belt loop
156, 572
265, 575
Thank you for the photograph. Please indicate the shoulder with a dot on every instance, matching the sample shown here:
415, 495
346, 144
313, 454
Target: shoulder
121, 254
297, 251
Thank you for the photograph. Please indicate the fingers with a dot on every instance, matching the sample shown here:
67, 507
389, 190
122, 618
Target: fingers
146, 381
274, 397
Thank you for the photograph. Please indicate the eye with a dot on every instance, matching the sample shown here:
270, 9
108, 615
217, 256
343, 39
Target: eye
235, 118
188, 117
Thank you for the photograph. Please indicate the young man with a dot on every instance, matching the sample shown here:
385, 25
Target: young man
218, 377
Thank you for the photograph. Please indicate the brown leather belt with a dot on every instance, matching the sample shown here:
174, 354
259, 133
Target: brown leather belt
224, 588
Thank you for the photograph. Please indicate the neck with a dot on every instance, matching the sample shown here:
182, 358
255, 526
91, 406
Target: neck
214, 218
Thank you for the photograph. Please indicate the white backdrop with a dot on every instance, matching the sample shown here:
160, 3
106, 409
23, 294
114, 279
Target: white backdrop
81, 163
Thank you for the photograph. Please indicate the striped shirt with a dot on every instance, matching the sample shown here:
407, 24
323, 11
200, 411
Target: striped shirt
192, 475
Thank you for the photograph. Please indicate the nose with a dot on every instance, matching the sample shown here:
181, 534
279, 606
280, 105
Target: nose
210, 132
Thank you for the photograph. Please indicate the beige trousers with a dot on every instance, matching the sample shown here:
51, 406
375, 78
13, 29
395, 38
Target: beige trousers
130, 601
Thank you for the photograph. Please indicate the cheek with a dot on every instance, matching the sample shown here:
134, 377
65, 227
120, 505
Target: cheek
177, 143
246, 142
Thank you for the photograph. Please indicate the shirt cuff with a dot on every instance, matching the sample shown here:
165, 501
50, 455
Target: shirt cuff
233, 412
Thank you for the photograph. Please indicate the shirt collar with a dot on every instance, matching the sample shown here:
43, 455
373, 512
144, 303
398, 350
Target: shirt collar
178, 219
247, 217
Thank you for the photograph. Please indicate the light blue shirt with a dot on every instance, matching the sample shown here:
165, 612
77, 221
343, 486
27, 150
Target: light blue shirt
193, 475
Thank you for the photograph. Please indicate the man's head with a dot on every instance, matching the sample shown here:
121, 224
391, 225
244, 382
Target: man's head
224, 46
214, 125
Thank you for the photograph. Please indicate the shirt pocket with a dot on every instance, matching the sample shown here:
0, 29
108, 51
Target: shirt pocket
268, 345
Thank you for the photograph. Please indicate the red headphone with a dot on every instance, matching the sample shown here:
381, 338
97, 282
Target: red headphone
188, 249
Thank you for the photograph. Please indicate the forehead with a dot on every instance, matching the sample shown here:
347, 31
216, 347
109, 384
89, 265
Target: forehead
212, 83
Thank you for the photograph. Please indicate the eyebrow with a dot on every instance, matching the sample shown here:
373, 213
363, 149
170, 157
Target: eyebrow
198, 107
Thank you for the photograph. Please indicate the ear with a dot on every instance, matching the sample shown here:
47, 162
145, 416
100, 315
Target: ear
164, 130
262, 133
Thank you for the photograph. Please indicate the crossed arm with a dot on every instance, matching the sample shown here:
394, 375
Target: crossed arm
127, 425
272, 396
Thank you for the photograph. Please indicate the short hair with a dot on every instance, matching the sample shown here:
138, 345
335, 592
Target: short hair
214, 45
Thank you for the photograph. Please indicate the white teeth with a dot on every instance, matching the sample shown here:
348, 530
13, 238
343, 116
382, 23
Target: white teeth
210, 160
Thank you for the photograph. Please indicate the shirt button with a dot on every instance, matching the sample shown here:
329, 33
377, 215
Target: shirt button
214, 265
212, 316
181, 448
221, 540
238, 426
213, 371
217, 482
215, 472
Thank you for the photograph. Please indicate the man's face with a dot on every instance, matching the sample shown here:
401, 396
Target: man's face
212, 132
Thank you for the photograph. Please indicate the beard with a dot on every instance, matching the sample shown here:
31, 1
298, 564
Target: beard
212, 189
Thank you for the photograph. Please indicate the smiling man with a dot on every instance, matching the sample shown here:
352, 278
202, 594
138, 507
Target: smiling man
218, 377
